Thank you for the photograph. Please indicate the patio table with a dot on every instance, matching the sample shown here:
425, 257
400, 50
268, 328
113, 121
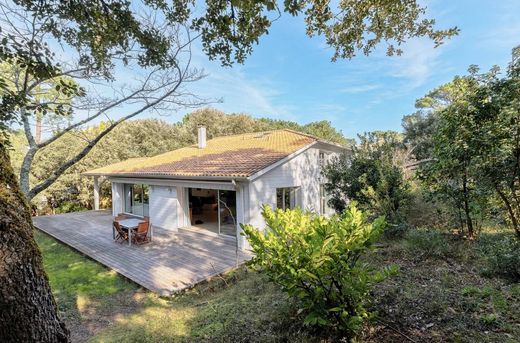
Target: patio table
130, 224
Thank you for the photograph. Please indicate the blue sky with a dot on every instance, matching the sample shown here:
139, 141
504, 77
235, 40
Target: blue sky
290, 76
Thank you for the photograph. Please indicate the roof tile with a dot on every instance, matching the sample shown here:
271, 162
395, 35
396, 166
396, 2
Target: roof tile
228, 156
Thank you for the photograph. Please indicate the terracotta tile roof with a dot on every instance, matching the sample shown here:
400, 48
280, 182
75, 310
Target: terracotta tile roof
228, 156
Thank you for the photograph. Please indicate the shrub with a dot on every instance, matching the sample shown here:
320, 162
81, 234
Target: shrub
69, 206
315, 259
502, 256
430, 243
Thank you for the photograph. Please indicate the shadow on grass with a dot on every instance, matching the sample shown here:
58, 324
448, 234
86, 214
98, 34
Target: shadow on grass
84, 289
241, 307
99, 305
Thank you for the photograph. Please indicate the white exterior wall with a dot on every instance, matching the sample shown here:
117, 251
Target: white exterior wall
241, 193
164, 207
303, 171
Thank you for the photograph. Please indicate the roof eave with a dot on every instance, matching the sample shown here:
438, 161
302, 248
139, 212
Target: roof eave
167, 177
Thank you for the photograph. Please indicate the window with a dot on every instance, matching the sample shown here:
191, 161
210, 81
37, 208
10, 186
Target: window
286, 197
136, 199
325, 209
321, 158
323, 199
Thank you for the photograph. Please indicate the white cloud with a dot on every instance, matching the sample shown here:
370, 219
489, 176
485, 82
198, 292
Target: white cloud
417, 63
506, 33
240, 91
359, 88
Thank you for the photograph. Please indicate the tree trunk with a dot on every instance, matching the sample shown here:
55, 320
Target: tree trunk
38, 131
25, 171
510, 211
469, 221
28, 310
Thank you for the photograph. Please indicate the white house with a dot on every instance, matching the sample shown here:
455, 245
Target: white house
213, 186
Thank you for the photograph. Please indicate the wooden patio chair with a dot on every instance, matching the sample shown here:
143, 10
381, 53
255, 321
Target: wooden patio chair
121, 235
140, 236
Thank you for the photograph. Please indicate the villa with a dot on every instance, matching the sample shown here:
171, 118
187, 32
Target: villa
215, 185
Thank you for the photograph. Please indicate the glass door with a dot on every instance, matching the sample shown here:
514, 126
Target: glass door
137, 199
227, 210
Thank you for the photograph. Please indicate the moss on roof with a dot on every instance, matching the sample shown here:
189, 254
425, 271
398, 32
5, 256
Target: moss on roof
228, 156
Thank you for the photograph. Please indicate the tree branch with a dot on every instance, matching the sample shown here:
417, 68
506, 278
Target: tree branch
58, 172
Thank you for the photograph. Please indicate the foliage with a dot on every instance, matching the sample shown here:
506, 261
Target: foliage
315, 259
229, 30
425, 243
419, 129
496, 108
425, 209
372, 175
142, 138
470, 128
501, 254
453, 170
322, 129
70, 206
243, 306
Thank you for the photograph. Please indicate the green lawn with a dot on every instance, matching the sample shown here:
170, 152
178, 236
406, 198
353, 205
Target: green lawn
438, 295
100, 306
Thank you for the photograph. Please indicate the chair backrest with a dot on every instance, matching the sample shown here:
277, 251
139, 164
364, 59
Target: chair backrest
146, 219
142, 227
117, 226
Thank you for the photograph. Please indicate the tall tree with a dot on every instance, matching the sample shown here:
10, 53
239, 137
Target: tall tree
372, 174
495, 106
454, 167
76, 88
149, 35
469, 132
29, 312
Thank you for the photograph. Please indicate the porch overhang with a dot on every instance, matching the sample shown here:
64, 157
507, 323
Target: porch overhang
229, 185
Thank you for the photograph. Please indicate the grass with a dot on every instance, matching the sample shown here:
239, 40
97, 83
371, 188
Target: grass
98, 305
439, 295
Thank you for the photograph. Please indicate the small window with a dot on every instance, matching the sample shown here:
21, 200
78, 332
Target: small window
321, 158
323, 199
286, 198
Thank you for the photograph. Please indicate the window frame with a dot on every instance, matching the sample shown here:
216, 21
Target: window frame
129, 199
289, 197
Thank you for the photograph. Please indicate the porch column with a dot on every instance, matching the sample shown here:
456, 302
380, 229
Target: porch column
240, 209
96, 193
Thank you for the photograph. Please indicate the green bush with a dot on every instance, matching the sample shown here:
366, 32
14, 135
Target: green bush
430, 243
315, 259
502, 256
69, 206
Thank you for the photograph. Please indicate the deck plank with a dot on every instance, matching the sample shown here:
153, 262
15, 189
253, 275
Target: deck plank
172, 262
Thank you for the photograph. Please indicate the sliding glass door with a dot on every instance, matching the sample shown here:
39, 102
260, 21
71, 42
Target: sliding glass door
136, 199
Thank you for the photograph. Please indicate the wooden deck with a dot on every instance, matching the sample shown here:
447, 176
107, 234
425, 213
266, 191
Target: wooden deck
170, 263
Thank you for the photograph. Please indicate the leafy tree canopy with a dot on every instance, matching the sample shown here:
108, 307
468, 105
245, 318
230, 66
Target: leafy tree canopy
143, 138
106, 33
